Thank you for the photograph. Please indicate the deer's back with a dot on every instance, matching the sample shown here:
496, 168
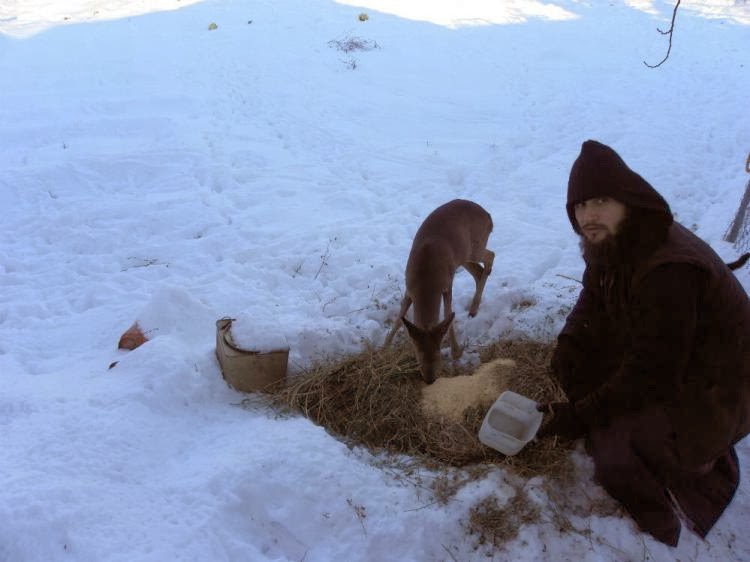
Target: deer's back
457, 231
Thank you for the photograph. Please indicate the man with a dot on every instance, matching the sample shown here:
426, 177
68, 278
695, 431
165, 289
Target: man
655, 356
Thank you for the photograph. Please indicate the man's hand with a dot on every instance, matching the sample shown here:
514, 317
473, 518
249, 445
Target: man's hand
564, 421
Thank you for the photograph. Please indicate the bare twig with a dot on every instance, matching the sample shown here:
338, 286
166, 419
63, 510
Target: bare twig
425, 506
449, 552
570, 278
739, 218
359, 511
324, 257
669, 32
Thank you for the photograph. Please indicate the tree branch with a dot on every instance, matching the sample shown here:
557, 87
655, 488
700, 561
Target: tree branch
667, 32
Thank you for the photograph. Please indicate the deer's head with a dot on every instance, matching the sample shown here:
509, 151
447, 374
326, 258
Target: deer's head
427, 345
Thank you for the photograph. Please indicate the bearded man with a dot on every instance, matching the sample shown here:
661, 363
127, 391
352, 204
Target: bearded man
655, 356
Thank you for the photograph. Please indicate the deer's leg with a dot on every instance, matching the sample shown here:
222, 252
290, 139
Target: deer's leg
476, 270
456, 350
480, 275
405, 304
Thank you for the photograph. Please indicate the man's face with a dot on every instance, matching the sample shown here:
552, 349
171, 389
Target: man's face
599, 217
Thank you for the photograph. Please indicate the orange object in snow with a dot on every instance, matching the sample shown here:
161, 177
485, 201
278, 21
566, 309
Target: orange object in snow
132, 338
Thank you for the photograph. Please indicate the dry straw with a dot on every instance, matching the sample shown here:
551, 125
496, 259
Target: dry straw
372, 399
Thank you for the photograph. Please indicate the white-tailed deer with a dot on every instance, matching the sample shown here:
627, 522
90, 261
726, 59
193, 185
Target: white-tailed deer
453, 235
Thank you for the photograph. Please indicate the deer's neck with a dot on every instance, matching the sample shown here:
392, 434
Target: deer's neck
426, 306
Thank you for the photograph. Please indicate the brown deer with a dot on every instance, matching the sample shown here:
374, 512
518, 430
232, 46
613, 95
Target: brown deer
453, 235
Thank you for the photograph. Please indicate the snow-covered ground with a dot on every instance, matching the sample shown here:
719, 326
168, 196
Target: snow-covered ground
154, 169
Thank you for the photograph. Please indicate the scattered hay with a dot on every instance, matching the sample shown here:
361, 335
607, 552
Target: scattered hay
372, 399
495, 525
348, 44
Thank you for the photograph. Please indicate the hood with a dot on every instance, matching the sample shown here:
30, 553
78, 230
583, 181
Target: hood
600, 172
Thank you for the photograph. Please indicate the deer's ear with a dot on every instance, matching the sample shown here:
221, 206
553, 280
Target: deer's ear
413, 330
438, 331
442, 328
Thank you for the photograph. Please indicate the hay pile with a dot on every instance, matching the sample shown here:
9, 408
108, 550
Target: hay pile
373, 399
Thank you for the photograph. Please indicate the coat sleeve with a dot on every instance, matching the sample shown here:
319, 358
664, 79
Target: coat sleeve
574, 364
662, 321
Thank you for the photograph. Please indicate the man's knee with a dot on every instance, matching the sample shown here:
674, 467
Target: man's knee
614, 473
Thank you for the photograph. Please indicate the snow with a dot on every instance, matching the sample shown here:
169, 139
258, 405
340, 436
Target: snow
157, 171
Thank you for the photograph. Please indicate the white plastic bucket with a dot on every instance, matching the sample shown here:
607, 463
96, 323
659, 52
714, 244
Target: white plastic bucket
510, 423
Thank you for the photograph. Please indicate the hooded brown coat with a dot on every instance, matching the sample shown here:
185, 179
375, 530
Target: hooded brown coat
667, 330
682, 342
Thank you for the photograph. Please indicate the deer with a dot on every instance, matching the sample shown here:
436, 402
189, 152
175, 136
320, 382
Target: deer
453, 235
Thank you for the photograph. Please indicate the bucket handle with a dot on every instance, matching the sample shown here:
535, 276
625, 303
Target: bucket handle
223, 325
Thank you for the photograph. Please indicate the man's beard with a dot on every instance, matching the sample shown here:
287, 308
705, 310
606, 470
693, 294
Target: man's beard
636, 238
605, 253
